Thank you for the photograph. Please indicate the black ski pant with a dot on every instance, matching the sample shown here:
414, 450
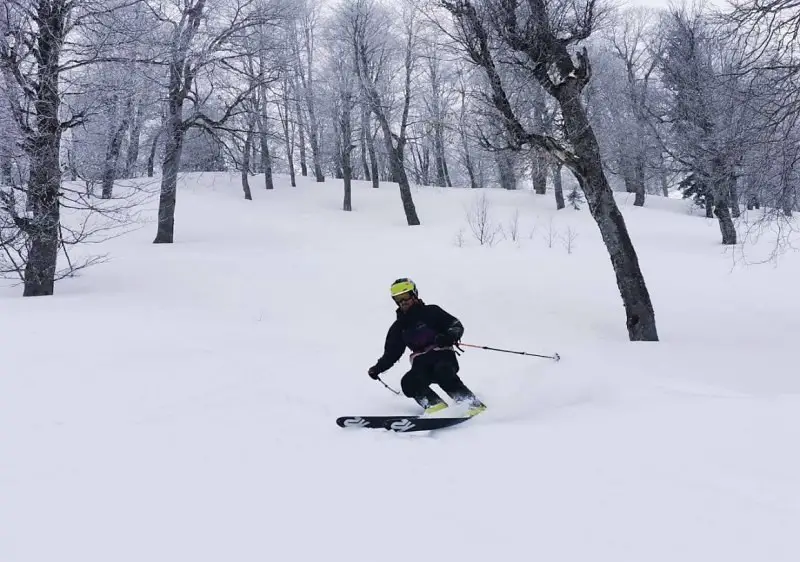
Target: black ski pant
435, 367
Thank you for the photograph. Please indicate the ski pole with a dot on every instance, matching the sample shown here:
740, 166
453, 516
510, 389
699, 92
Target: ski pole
555, 356
387, 386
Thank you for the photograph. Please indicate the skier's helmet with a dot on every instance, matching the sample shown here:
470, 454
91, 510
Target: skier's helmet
403, 286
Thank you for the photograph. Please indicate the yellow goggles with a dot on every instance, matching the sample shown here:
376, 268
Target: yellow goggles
402, 287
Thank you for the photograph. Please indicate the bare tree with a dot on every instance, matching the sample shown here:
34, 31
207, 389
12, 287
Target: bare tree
543, 120
538, 34
506, 171
120, 123
246, 151
39, 29
196, 43
437, 101
367, 135
767, 34
629, 44
288, 126
709, 112
558, 188
344, 108
134, 138
342, 88
303, 45
480, 221
464, 135
368, 30
41, 54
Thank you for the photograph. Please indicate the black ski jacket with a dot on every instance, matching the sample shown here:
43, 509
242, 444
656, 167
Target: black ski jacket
416, 330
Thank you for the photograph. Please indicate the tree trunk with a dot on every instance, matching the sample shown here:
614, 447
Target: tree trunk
152, 156
664, 184
337, 146
640, 317
638, 176
313, 125
346, 142
399, 173
71, 165
112, 154
558, 187
440, 161
266, 157
422, 163
173, 146
734, 195
437, 115
45, 171
362, 141
633, 176
347, 203
539, 171
248, 141
723, 213
720, 193
132, 156
473, 184
400, 156
373, 160
468, 164
788, 199
43, 192
442, 172
287, 141
300, 132
506, 173
6, 171
539, 158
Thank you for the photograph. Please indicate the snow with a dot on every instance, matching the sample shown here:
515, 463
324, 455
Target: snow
178, 402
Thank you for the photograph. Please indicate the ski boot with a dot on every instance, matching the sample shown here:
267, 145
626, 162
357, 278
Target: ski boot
474, 405
434, 408
476, 408
430, 402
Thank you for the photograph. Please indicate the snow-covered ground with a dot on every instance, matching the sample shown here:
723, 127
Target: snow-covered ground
177, 404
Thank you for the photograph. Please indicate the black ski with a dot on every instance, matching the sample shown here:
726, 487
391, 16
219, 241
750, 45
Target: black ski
370, 422
411, 424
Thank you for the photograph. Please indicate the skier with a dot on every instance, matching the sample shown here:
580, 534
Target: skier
431, 334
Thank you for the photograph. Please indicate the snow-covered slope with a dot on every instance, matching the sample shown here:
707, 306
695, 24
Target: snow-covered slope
178, 402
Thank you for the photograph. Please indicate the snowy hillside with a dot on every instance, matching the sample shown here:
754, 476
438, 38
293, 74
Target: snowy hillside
177, 404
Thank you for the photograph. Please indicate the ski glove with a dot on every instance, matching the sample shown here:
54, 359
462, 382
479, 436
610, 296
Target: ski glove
373, 372
444, 340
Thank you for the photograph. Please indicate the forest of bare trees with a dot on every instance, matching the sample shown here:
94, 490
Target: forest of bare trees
515, 94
